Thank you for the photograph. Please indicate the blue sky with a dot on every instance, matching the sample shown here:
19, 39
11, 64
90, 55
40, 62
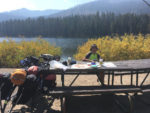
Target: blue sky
8, 5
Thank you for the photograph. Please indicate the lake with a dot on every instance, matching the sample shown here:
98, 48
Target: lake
68, 45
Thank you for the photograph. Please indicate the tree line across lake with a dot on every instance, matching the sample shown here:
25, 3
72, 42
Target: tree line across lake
78, 25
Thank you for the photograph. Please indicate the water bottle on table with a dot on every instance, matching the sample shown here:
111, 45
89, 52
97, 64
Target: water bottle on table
100, 61
69, 61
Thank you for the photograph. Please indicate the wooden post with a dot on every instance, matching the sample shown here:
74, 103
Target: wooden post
62, 98
112, 78
74, 80
121, 77
63, 104
137, 78
131, 78
62, 79
108, 78
144, 79
130, 98
98, 76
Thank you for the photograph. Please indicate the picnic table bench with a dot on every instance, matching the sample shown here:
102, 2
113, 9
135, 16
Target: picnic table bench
130, 68
75, 90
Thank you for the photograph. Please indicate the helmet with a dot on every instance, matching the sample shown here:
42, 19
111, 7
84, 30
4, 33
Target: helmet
33, 70
18, 77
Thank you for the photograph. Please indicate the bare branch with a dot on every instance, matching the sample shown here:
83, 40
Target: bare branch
146, 2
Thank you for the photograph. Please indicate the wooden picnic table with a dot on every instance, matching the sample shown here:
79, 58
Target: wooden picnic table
131, 68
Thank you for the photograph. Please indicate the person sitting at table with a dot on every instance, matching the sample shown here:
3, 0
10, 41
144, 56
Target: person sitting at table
94, 56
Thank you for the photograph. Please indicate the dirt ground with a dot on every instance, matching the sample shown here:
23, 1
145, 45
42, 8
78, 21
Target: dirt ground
95, 103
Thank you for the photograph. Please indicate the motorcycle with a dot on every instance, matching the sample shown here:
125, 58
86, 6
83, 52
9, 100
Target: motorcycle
35, 82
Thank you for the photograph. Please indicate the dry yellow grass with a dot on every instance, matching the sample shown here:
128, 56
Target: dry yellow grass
116, 48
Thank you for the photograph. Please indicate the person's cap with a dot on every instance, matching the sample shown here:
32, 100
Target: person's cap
93, 46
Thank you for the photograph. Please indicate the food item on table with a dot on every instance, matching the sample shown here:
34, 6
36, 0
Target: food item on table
80, 66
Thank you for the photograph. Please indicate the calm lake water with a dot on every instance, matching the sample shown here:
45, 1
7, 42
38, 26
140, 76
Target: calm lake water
68, 45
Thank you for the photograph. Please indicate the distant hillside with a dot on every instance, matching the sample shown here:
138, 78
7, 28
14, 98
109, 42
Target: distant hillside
4, 17
25, 13
101, 6
115, 6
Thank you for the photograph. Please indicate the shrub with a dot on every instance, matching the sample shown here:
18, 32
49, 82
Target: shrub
126, 47
12, 52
